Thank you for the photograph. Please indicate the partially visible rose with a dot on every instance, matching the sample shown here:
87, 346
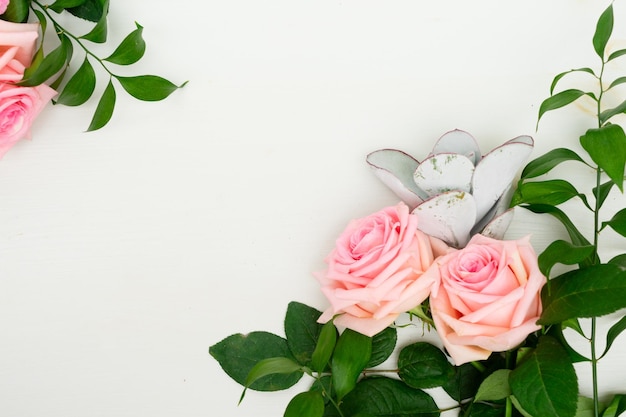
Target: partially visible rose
486, 297
17, 46
19, 106
375, 271
3, 6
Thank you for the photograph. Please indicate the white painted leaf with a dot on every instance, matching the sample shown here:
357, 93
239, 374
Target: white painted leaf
448, 216
497, 170
395, 169
498, 226
458, 141
444, 172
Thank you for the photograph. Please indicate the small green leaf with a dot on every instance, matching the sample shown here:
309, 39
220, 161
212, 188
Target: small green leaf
239, 353
324, 348
59, 5
619, 261
388, 397
148, 87
577, 238
306, 404
616, 407
80, 87
422, 365
302, 330
464, 383
272, 366
549, 160
130, 50
612, 334
561, 75
352, 353
495, 386
616, 54
603, 192
551, 192
560, 100
607, 147
584, 407
556, 331
17, 11
49, 65
98, 34
91, 10
607, 114
617, 222
617, 81
592, 291
562, 252
383, 345
604, 28
104, 111
545, 384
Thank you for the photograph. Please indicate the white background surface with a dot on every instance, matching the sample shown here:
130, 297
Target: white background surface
126, 253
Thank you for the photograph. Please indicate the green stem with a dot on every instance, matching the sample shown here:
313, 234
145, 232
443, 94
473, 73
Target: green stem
61, 29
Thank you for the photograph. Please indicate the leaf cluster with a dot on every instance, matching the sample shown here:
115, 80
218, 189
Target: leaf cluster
77, 85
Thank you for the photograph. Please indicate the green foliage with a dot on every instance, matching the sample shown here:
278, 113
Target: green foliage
302, 331
545, 383
306, 404
383, 345
607, 147
352, 353
17, 11
495, 386
422, 365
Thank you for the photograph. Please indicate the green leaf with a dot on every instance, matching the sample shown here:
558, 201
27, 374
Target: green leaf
617, 222
464, 383
560, 100
545, 384
17, 11
617, 81
604, 28
616, 407
49, 66
612, 334
388, 397
561, 75
577, 238
607, 114
556, 331
551, 192
616, 54
383, 345
564, 253
306, 404
302, 330
148, 87
239, 353
495, 386
80, 87
352, 353
422, 365
104, 111
584, 407
603, 192
324, 348
619, 261
549, 160
607, 147
272, 366
98, 34
91, 10
483, 410
592, 291
130, 50
59, 5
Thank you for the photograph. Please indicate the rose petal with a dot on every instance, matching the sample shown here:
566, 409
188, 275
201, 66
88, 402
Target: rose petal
444, 172
395, 169
448, 216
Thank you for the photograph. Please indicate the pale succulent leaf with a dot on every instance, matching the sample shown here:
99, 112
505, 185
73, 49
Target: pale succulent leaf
395, 169
498, 226
444, 172
458, 141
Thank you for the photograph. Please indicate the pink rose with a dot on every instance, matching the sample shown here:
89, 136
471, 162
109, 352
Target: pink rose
3, 6
19, 106
17, 46
375, 271
486, 297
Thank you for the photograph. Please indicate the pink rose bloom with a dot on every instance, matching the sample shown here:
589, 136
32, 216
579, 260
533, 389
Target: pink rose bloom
19, 106
3, 6
17, 46
486, 297
375, 271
